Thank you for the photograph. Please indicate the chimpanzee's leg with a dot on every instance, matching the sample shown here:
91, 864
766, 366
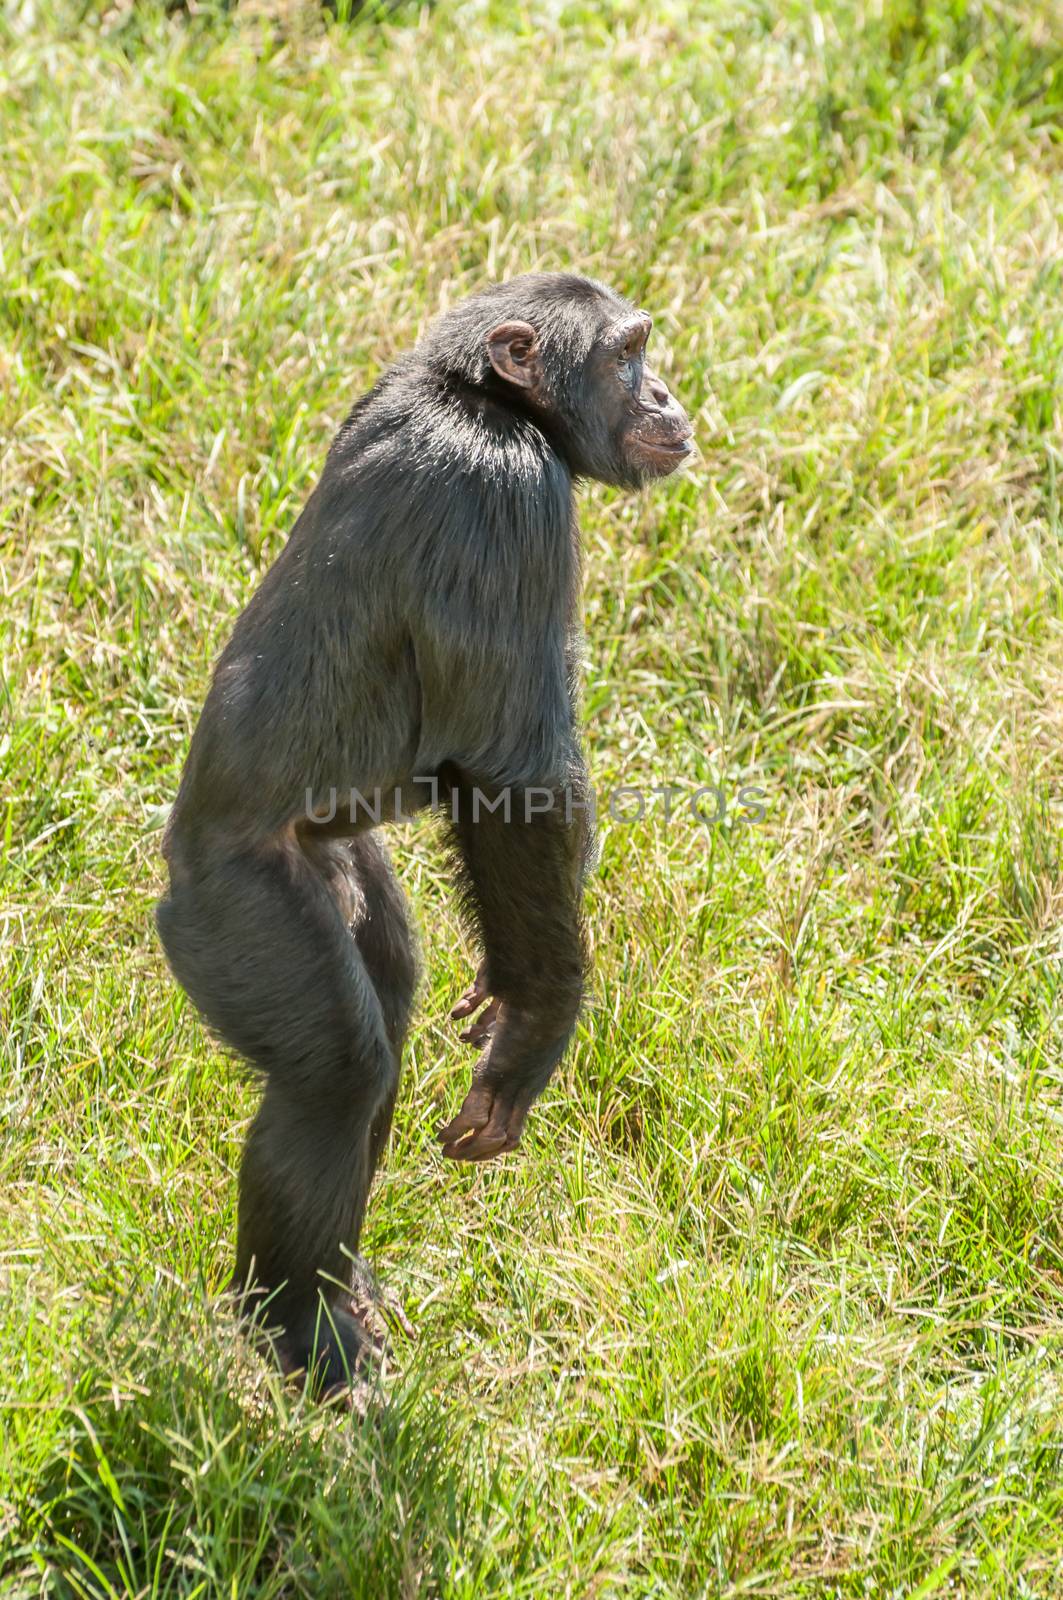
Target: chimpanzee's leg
362, 880
360, 875
522, 879
263, 946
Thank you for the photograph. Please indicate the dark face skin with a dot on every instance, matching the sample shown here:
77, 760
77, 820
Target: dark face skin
652, 433
630, 429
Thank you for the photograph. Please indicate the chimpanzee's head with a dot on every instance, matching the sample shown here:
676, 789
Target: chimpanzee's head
570, 353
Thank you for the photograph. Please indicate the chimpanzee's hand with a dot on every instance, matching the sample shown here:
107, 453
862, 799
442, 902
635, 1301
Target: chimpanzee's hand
476, 995
491, 1118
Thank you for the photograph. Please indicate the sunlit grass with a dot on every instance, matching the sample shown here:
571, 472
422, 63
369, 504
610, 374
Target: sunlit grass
772, 1300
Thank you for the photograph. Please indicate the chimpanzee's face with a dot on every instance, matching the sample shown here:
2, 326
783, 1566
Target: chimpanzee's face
649, 433
609, 415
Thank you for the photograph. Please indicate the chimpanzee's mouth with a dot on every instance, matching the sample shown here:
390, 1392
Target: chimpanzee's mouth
673, 450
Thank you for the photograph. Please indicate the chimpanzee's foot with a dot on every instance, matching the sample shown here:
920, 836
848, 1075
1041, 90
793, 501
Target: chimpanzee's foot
327, 1347
377, 1309
330, 1352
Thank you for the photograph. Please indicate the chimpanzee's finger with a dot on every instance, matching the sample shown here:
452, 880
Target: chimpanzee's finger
475, 1113
475, 994
480, 1031
480, 1146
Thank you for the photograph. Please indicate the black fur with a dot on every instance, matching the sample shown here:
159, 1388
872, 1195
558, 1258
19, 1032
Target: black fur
420, 622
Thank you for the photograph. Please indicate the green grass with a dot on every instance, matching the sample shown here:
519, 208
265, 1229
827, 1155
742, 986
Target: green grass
771, 1302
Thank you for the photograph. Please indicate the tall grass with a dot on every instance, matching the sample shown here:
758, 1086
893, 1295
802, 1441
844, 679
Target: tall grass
771, 1302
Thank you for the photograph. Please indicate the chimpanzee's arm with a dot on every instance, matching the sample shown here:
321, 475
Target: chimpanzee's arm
492, 628
521, 828
521, 867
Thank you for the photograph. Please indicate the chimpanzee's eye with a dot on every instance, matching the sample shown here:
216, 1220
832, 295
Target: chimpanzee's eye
626, 360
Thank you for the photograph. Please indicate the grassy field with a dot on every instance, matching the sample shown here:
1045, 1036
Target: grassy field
771, 1302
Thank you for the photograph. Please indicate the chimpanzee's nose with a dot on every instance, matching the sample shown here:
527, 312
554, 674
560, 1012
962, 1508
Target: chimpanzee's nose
659, 392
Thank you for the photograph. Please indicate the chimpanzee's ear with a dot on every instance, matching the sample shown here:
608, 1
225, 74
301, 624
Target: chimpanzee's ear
513, 351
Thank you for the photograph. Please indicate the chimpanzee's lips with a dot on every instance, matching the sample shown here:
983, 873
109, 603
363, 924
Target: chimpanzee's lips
671, 450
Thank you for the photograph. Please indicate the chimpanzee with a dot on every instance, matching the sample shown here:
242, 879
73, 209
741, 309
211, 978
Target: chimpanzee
415, 640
